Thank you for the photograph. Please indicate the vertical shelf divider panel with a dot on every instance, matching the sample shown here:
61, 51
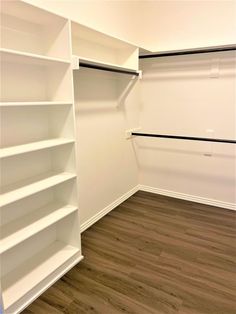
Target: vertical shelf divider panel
40, 238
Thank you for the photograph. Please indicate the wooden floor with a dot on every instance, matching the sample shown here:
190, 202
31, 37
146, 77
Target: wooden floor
152, 254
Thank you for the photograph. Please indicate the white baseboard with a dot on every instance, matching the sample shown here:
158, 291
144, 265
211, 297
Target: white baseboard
107, 209
193, 198
146, 188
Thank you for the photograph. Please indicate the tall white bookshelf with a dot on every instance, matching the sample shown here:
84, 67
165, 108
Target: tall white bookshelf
40, 231
39, 215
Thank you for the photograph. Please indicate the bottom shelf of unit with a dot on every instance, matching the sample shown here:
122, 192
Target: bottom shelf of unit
25, 283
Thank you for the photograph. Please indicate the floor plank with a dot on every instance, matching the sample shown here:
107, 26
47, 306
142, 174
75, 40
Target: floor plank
152, 254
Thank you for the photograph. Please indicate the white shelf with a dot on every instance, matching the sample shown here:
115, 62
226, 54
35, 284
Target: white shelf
82, 31
29, 187
31, 147
89, 43
10, 55
23, 228
104, 64
27, 276
27, 12
34, 103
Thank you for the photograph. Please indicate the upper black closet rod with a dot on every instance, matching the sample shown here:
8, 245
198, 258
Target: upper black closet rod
104, 68
191, 138
190, 51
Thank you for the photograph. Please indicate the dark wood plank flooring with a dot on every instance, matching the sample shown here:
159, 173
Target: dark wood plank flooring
152, 254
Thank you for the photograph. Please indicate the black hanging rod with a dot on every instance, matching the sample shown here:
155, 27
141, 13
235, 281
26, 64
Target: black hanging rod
190, 138
189, 52
104, 68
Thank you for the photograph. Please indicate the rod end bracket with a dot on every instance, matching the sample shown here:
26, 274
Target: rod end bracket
75, 63
128, 133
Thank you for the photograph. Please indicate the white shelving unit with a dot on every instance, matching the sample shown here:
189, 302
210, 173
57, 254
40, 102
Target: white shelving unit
40, 230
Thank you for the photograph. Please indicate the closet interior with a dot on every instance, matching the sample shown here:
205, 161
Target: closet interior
48, 66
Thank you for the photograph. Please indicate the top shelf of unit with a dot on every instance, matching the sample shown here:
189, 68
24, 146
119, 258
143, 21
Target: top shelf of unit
29, 13
10, 55
89, 34
94, 46
34, 31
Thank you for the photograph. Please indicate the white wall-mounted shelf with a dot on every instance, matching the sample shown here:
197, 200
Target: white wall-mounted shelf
34, 103
10, 55
28, 79
32, 30
106, 65
92, 45
27, 226
40, 228
34, 81
26, 148
28, 187
30, 276
35, 125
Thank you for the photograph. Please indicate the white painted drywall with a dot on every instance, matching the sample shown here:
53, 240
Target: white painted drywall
105, 108
181, 24
156, 25
180, 97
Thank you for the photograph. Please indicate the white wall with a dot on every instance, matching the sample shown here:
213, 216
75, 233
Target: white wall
156, 25
105, 108
181, 24
179, 97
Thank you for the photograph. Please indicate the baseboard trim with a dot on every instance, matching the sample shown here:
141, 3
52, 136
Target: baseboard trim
188, 197
146, 188
107, 209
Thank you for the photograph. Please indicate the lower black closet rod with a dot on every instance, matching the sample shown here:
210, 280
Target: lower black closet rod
190, 138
